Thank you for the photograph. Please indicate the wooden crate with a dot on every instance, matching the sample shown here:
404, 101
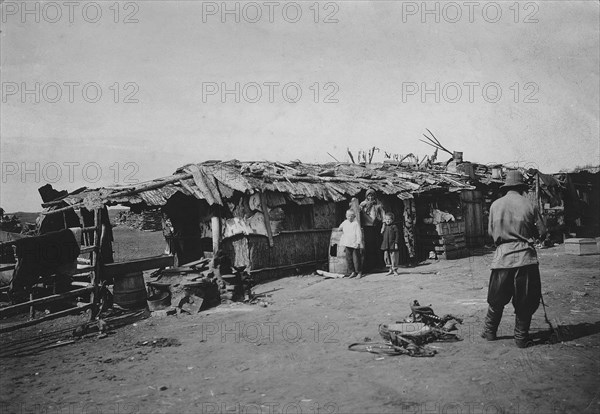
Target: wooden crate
458, 238
451, 246
455, 246
580, 246
448, 240
451, 227
475, 240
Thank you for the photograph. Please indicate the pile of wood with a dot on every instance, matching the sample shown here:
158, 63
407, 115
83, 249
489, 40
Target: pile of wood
191, 287
147, 220
10, 224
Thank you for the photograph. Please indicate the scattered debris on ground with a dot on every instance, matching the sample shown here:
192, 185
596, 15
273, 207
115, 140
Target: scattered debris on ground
159, 343
410, 337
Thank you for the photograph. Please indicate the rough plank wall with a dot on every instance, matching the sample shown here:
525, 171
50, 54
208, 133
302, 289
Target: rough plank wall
288, 249
475, 225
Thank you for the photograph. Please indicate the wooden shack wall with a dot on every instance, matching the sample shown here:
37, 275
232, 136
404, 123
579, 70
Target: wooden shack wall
290, 249
325, 215
582, 203
475, 222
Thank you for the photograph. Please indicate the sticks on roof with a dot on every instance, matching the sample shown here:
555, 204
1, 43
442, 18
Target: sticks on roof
351, 156
434, 142
333, 157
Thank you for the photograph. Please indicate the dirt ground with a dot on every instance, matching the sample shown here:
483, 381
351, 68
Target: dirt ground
292, 355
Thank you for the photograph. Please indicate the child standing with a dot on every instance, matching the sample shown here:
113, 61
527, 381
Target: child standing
353, 242
391, 238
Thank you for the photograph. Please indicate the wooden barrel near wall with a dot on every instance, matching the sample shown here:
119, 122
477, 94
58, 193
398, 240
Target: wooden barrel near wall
129, 290
337, 256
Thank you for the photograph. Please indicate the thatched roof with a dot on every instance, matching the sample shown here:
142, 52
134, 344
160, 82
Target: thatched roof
217, 182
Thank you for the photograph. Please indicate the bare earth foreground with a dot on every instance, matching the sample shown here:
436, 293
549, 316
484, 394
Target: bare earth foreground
292, 356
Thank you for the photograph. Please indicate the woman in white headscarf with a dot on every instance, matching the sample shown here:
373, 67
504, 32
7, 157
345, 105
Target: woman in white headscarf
371, 210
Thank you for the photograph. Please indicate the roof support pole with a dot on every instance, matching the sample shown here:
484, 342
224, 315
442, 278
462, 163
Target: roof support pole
215, 225
537, 190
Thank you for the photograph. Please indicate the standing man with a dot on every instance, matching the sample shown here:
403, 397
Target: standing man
515, 269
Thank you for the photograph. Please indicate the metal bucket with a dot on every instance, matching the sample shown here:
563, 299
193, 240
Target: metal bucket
159, 301
130, 291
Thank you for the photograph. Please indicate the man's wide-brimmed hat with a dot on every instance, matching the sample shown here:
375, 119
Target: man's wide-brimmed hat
514, 179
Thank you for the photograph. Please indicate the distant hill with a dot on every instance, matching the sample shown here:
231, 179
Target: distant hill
30, 217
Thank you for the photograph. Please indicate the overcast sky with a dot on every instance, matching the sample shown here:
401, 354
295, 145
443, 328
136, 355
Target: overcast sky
508, 83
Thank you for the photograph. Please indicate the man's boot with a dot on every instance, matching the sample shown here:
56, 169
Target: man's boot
492, 320
522, 324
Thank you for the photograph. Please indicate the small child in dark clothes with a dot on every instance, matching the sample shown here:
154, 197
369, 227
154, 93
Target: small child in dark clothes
391, 238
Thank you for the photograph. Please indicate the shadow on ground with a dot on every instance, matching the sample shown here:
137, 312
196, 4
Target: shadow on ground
565, 333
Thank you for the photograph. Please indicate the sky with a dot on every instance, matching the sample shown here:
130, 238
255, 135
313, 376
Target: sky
110, 93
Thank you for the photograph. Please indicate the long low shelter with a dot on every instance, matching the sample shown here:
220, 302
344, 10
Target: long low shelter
272, 216
275, 218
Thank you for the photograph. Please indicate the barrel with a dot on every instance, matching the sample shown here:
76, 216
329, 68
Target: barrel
337, 257
468, 168
497, 172
130, 291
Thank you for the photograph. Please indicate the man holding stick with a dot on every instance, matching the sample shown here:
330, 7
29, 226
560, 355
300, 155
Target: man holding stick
515, 267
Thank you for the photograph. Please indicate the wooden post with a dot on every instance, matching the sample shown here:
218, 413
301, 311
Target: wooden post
537, 190
31, 308
97, 263
48, 299
60, 210
93, 288
215, 224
